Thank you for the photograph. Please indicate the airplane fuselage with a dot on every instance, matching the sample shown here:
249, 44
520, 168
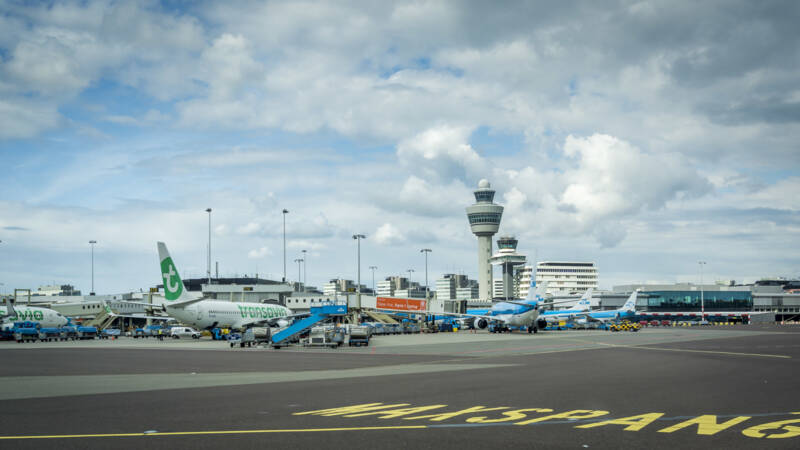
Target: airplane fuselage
46, 317
207, 314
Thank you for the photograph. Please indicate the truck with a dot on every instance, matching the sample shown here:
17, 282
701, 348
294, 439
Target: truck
251, 336
325, 336
358, 335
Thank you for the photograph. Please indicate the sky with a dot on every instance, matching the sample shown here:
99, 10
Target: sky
643, 136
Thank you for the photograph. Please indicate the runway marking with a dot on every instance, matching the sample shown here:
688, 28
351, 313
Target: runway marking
21, 387
201, 433
714, 352
586, 419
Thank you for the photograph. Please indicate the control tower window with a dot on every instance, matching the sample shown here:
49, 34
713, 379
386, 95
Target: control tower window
484, 196
483, 218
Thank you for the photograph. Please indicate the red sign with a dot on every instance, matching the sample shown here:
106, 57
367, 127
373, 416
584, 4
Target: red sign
400, 304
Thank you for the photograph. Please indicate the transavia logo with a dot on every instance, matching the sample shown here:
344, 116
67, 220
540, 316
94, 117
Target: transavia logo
173, 287
26, 314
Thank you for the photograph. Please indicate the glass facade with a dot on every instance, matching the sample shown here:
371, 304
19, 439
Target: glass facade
477, 218
690, 301
484, 196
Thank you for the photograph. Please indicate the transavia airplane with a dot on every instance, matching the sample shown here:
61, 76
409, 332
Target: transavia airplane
206, 313
45, 317
518, 313
627, 311
579, 310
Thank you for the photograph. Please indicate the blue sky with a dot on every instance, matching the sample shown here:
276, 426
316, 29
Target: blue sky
644, 136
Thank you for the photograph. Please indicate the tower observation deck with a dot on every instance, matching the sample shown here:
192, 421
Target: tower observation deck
484, 221
507, 257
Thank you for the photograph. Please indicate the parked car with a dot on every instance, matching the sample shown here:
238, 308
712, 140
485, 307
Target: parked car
179, 332
666, 323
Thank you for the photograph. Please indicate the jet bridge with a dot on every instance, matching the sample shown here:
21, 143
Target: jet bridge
318, 314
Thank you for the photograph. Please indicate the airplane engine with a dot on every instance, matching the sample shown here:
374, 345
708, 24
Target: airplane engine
541, 324
481, 323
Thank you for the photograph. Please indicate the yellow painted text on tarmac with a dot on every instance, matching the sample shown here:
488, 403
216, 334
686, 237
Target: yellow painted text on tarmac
516, 414
706, 425
394, 413
634, 423
350, 409
782, 429
444, 416
574, 414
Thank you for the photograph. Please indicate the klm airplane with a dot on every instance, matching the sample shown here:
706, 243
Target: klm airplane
579, 310
519, 313
627, 311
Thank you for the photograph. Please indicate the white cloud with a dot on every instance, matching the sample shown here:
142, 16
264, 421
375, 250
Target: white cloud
388, 234
250, 229
443, 153
259, 253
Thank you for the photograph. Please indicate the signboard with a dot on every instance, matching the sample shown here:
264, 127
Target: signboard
401, 304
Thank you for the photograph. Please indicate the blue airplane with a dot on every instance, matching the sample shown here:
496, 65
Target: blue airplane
627, 311
579, 310
513, 313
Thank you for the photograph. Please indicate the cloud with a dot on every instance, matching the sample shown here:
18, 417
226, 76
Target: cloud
259, 253
388, 234
442, 153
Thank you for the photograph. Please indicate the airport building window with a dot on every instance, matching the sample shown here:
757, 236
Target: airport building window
690, 301
478, 218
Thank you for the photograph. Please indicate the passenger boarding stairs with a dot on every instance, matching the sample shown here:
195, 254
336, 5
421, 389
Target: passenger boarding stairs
102, 320
380, 317
318, 314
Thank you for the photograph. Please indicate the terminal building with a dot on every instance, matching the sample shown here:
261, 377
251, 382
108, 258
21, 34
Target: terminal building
566, 277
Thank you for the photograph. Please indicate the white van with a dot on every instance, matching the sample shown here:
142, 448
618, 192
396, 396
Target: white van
179, 332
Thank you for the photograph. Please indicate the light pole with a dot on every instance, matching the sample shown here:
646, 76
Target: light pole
92, 242
372, 268
305, 269
285, 211
410, 271
358, 238
426, 251
298, 261
702, 303
208, 270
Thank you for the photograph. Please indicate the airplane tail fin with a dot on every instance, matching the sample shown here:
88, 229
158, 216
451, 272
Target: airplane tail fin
536, 292
630, 304
585, 303
10, 312
174, 290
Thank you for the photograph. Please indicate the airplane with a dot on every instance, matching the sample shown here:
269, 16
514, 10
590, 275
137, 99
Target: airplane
46, 317
583, 305
204, 313
518, 313
627, 311
110, 312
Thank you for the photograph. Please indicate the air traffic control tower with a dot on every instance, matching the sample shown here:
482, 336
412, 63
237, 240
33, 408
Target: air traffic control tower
484, 220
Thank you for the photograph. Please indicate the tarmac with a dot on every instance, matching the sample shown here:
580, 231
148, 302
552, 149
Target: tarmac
675, 387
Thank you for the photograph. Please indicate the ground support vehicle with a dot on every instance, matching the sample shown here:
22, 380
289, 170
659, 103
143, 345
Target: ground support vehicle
326, 336
49, 334
410, 328
624, 326
179, 332
251, 336
25, 331
358, 335
112, 333
69, 333
219, 334
148, 331
86, 332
